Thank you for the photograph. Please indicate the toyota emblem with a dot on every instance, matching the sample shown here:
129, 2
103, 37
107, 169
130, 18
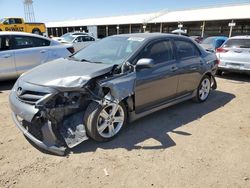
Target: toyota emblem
19, 91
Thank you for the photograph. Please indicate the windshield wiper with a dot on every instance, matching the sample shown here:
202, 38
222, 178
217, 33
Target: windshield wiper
82, 60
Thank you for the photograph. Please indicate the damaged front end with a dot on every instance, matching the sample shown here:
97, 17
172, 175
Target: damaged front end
53, 118
50, 118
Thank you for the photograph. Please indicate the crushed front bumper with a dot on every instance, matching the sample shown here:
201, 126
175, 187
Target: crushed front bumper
53, 149
22, 111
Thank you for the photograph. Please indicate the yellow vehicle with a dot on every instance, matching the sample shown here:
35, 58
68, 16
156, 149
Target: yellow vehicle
18, 24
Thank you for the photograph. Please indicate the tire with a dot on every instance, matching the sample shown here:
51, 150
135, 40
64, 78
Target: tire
102, 126
0, 29
219, 72
37, 31
203, 90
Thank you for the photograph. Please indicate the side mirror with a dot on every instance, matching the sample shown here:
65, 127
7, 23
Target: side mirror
144, 63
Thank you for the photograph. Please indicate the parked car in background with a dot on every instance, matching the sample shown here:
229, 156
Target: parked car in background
113, 81
18, 24
212, 43
234, 55
197, 39
20, 52
78, 39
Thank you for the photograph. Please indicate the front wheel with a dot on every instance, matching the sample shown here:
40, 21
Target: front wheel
203, 90
104, 122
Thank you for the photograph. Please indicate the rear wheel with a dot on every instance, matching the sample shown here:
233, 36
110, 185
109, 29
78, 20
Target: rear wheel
104, 122
37, 32
203, 90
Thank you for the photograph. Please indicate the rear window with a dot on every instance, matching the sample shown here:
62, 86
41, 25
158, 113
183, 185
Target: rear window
208, 40
237, 43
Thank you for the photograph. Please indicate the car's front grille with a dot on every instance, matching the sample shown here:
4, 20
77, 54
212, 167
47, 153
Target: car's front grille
30, 97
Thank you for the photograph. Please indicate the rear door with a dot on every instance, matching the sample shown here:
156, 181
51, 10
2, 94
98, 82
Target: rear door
29, 52
158, 84
7, 64
235, 54
189, 66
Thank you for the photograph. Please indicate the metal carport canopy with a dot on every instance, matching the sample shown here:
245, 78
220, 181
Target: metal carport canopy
206, 14
229, 12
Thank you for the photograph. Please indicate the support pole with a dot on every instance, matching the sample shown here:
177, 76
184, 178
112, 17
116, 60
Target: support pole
203, 29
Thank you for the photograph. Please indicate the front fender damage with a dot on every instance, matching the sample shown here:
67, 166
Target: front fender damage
60, 118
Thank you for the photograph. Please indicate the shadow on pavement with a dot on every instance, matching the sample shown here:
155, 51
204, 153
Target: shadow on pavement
158, 125
236, 77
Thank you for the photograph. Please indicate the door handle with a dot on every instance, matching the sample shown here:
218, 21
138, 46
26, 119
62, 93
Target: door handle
193, 68
43, 51
174, 68
6, 56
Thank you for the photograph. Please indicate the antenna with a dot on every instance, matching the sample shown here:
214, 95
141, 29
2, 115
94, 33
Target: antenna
29, 10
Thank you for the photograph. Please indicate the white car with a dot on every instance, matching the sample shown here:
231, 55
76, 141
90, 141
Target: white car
234, 55
78, 40
20, 52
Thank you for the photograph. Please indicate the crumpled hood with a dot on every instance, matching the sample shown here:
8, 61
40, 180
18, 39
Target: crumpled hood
65, 73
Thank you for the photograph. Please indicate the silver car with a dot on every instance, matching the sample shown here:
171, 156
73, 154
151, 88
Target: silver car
234, 55
20, 52
78, 40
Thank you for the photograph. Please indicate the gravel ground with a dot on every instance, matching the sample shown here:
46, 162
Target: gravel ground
187, 145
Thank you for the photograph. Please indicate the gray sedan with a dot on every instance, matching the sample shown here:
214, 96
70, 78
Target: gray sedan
113, 81
20, 52
234, 55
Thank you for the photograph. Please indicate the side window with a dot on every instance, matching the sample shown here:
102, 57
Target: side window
29, 42
159, 51
4, 43
186, 49
18, 21
87, 38
38, 42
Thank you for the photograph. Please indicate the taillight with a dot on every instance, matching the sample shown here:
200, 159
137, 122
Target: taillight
221, 50
71, 50
217, 61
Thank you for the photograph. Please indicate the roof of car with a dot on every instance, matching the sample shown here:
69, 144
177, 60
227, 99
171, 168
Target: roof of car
151, 35
241, 37
22, 34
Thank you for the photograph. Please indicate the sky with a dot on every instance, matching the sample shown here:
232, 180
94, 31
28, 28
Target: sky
60, 10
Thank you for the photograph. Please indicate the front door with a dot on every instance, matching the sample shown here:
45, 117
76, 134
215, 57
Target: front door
158, 84
29, 52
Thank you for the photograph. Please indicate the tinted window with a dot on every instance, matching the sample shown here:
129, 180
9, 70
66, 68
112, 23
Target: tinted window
160, 52
4, 43
87, 38
186, 49
18, 21
29, 42
237, 43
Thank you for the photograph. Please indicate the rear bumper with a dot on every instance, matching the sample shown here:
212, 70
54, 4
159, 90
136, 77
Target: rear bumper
236, 70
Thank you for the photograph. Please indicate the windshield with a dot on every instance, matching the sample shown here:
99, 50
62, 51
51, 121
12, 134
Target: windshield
208, 40
2, 20
237, 43
111, 50
67, 38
